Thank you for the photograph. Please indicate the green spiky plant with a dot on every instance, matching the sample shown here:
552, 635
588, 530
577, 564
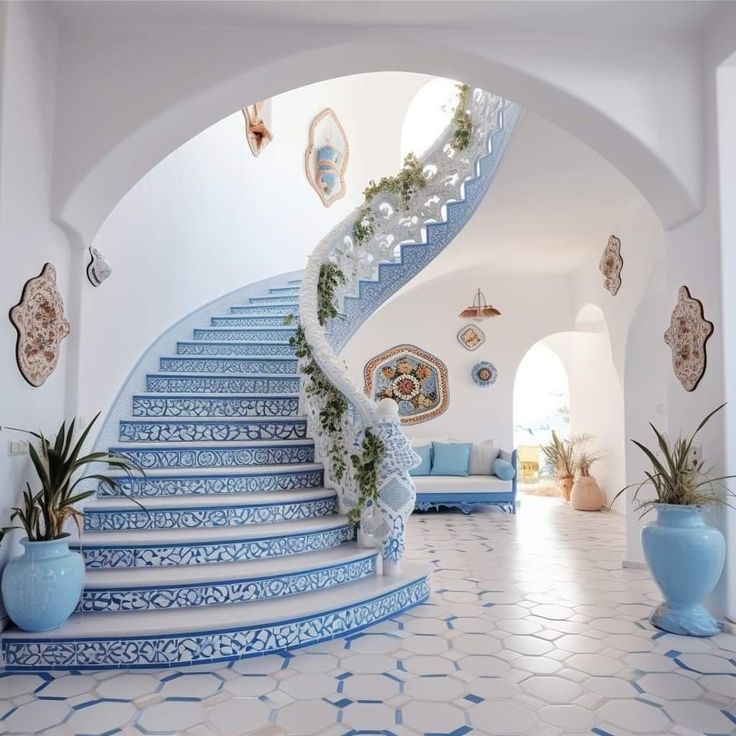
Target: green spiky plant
560, 457
675, 476
60, 469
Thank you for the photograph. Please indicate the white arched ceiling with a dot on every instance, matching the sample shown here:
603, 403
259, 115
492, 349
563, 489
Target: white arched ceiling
129, 96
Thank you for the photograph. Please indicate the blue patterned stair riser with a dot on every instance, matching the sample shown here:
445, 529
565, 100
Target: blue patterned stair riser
206, 406
266, 366
202, 553
207, 517
193, 431
250, 349
156, 382
265, 334
211, 484
221, 593
239, 320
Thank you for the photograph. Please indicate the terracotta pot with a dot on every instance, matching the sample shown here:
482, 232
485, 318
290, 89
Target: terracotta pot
586, 494
565, 485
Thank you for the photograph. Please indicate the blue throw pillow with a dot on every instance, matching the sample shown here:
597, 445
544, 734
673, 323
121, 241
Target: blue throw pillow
450, 458
424, 467
503, 469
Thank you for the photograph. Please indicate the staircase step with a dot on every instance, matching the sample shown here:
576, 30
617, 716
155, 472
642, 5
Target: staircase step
265, 310
275, 299
204, 545
239, 320
230, 366
193, 482
146, 639
285, 290
188, 512
218, 454
184, 405
246, 349
257, 428
212, 383
155, 588
268, 334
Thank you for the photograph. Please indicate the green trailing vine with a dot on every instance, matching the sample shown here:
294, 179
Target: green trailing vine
366, 472
462, 120
406, 183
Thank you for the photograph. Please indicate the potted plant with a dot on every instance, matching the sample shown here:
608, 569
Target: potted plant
685, 554
560, 463
586, 494
41, 588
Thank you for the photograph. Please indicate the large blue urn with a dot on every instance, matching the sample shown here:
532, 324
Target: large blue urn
686, 558
42, 587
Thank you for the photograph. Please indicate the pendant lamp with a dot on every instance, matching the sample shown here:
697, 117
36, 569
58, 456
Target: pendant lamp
479, 309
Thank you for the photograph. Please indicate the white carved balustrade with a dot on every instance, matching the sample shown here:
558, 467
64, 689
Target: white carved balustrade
395, 225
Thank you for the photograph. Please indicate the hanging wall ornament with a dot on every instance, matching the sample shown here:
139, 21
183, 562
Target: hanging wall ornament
611, 265
39, 320
257, 126
484, 373
686, 336
414, 379
327, 157
471, 337
98, 268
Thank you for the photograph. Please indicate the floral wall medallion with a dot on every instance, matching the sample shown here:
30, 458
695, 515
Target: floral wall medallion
611, 265
98, 268
414, 379
687, 334
471, 337
39, 320
484, 373
257, 126
327, 157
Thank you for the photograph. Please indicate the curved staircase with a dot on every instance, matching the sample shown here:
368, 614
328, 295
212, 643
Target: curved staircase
240, 549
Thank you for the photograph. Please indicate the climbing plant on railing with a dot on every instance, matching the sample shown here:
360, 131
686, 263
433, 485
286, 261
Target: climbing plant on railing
366, 472
462, 120
330, 277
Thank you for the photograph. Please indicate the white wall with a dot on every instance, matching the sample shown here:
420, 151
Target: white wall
28, 238
211, 218
420, 318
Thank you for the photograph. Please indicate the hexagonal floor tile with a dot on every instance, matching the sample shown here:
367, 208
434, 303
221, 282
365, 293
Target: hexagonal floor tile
672, 686
635, 716
307, 717
433, 717
171, 715
502, 718
370, 687
101, 717
128, 686
551, 689
37, 717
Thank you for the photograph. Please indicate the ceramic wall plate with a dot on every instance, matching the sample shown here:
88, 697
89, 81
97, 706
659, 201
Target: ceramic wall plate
471, 337
414, 379
327, 156
258, 126
41, 326
687, 335
611, 265
484, 373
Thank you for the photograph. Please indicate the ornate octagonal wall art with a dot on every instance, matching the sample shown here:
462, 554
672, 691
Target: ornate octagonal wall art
484, 373
611, 265
39, 320
687, 334
327, 157
414, 379
471, 337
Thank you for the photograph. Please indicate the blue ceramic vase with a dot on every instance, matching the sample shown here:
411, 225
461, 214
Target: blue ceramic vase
686, 558
42, 587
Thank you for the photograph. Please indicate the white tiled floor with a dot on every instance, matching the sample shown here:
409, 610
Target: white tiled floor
533, 628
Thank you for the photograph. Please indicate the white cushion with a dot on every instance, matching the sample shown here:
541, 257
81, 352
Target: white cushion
460, 484
482, 456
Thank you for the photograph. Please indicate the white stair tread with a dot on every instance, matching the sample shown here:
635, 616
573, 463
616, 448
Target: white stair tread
211, 397
187, 374
218, 500
259, 419
219, 472
197, 444
235, 616
151, 577
214, 535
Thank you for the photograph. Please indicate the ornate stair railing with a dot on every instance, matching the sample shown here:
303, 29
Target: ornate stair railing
367, 457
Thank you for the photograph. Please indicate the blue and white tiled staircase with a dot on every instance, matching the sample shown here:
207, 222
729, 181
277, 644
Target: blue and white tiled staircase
240, 550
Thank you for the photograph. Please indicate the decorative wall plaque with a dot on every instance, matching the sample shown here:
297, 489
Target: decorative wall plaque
327, 157
257, 126
611, 265
471, 337
414, 379
98, 268
687, 334
39, 320
484, 373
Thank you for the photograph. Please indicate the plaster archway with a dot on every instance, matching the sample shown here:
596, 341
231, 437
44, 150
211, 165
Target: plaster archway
99, 160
